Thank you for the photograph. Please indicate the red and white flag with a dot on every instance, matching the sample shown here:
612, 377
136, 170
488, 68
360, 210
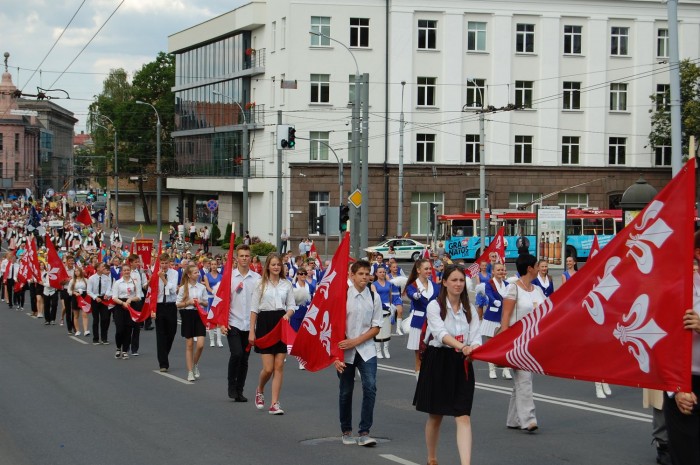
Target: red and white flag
151, 300
85, 303
28, 266
219, 310
84, 217
55, 269
620, 317
595, 248
497, 245
323, 327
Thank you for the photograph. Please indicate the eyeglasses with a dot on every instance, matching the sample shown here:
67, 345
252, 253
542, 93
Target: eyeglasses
301, 274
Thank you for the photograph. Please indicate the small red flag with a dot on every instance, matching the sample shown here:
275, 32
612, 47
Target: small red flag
151, 300
219, 310
84, 217
85, 303
497, 245
595, 248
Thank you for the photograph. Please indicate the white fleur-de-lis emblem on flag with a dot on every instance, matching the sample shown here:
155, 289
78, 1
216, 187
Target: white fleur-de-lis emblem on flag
655, 233
53, 274
326, 330
606, 287
639, 334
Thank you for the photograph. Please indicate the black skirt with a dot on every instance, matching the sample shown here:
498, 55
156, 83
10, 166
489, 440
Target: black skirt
265, 323
192, 325
444, 388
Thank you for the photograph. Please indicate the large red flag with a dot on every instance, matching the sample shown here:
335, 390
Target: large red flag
497, 245
56, 271
144, 249
149, 305
324, 324
219, 310
28, 266
84, 216
619, 319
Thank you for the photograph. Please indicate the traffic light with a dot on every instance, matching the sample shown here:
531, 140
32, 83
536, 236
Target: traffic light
320, 224
344, 217
291, 137
177, 213
432, 211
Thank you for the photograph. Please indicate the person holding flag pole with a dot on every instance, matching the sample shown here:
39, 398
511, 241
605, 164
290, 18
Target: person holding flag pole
166, 310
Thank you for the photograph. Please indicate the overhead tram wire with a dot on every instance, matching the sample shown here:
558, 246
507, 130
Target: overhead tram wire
88, 43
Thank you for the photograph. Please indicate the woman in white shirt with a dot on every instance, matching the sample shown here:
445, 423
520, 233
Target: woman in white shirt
191, 293
446, 380
78, 288
522, 297
273, 300
124, 291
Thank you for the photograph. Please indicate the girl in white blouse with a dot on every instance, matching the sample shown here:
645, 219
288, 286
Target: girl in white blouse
124, 291
192, 292
446, 380
77, 287
273, 300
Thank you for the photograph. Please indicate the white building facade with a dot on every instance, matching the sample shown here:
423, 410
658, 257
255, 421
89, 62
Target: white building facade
581, 73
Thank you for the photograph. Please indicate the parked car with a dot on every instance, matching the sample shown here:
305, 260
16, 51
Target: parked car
405, 249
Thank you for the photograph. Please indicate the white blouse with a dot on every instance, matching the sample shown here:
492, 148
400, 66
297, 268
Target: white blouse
79, 285
123, 290
525, 302
196, 291
279, 297
455, 325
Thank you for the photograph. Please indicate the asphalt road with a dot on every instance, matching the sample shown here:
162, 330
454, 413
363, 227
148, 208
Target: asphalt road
66, 402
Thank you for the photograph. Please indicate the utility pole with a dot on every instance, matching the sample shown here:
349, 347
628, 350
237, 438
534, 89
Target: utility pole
355, 218
399, 221
279, 188
675, 74
364, 212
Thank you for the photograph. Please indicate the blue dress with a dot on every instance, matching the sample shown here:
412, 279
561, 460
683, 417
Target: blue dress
419, 303
212, 283
546, 290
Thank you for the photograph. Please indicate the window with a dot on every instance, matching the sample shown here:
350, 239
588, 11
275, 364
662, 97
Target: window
472, 204
2, 172
318, 142
427, 34
274, 35
523, 149
16, 171
616, 150
619, 39
523, 94
320, 88
572, 95
663, 155
316, 201
569, 200
572, 40
420, 215
525, 38
476, 36
475, 92
359, 32
473, 153
283, 97
425, 148
16, 143
663, 97
426, 91
570, 150
518, 199
618, 97
283, 34
662, 43
320, 24
0, 142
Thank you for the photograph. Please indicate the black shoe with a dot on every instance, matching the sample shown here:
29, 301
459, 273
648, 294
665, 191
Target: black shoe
663, 457
150, 328
240, 398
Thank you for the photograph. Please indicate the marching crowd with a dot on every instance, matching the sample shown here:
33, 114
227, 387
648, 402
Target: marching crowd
443, 326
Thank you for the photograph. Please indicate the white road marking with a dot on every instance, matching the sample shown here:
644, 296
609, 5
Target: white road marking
571, 403
396, 459
168, 375
78, 339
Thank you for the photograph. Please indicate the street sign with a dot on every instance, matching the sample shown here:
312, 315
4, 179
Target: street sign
356, 198
212, 205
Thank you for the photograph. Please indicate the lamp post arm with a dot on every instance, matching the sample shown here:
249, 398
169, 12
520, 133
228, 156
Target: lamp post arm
321, 34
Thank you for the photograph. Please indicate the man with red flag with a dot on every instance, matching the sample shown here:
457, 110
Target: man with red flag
618, 328
166, 310
100, 285
237, 328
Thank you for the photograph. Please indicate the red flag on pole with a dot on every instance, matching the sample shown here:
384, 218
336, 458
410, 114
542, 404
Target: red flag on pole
144, 249
219, 310
324, 324
281, 332
84, 217
84, 303
497, 245
620, 317
149, 305
33, 261
595, 248
56, 271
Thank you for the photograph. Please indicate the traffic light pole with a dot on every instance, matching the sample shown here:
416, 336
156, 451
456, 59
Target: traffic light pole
279, 189
355, 218
364, 212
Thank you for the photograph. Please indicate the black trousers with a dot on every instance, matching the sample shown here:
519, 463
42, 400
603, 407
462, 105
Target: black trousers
32, 297
166, 328
66, 298
100, 322
123, 323
238, 361
683, 430
10, 287
135, 327
50, 307
19, 297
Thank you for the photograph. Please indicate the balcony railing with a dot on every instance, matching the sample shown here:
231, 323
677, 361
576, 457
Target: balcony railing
222, 168
254, 58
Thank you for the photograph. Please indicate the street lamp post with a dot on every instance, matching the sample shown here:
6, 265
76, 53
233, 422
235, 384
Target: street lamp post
159, 181
246, 162
355, 219
399, 221
116, 169
482, 170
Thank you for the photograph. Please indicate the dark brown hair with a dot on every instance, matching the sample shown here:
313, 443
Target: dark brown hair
463, 297
414, 272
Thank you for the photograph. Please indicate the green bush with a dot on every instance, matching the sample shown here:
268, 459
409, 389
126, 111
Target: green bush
225, 245
227, 234
215, 233
262, 248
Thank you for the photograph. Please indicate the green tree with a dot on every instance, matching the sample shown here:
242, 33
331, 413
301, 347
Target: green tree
690, 110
